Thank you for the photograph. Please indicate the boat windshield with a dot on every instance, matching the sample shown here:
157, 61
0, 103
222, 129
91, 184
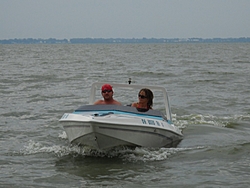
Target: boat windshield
128, 93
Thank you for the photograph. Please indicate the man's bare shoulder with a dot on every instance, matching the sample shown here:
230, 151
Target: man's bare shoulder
116, 102
99, 102
105, 102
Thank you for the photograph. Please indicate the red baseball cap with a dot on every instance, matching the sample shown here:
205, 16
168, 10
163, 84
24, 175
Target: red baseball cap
107, 87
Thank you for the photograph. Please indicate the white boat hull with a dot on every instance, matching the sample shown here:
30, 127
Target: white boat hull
115, 130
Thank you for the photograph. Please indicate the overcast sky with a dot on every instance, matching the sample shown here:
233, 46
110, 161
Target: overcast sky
65, 19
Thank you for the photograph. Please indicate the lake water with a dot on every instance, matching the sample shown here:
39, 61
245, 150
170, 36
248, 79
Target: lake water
209, 91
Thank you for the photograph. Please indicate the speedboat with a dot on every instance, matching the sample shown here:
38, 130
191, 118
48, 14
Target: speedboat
104, 127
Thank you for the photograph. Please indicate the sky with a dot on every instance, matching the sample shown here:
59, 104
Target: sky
66, 19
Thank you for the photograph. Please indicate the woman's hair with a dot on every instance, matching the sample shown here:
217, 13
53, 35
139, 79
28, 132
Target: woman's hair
149, 94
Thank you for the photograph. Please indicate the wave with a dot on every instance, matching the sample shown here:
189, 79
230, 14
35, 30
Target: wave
206, 131
194, 119
125, 153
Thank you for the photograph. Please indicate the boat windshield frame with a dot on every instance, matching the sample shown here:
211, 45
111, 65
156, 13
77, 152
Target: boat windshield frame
97, 85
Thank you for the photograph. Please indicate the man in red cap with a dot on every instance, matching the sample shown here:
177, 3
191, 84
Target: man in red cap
107, 93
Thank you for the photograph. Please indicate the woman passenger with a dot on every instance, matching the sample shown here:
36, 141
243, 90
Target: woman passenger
145, 97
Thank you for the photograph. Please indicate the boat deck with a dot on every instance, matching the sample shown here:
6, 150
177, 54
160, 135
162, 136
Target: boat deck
127, 109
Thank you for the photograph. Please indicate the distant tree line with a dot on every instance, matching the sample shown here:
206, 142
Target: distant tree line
34, 41
122, 40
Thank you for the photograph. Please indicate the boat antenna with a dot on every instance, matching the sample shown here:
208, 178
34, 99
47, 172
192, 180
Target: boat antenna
129, 80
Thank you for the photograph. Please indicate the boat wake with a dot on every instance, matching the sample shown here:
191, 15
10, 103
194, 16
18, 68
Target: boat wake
194, 119
125, 153
201, 132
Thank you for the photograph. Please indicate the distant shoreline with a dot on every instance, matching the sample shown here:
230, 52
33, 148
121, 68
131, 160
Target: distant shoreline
124, 40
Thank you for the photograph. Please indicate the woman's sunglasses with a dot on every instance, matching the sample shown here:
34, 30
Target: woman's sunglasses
142, 96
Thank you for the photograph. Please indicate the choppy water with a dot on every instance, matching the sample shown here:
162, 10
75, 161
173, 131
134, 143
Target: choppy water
208, 86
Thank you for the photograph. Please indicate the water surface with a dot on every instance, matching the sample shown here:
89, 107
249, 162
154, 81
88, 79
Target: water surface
208, 86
